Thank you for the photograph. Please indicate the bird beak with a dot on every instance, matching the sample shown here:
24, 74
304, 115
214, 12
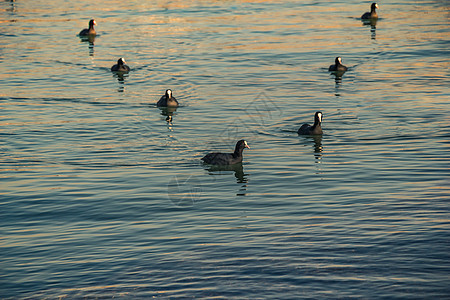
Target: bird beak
246, 145
376, 5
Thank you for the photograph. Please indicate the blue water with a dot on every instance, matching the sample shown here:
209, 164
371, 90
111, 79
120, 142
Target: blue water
102, 197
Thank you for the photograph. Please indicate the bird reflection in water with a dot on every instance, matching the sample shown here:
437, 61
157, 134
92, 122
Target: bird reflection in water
337, 82
168, 112
13, 6
90, 39
318, 148
238, 169
121, 80
373, 27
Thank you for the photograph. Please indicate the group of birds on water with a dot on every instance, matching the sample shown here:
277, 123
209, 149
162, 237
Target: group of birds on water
218, 158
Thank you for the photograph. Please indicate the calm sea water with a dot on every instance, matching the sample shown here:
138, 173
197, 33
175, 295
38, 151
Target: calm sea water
102, 197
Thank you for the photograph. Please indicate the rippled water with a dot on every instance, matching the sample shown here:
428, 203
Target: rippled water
102, 197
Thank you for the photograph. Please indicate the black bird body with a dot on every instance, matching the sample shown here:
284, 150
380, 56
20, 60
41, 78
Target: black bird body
90, 30
338, 66
167, 100
120, 66
372, 14
307, 129
218, 158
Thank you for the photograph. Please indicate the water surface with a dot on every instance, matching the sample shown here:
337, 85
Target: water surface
102, 197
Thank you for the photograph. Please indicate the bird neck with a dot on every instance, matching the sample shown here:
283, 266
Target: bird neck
238, 151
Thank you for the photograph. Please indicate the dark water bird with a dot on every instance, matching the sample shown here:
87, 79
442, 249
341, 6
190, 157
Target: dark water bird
90, 30
218, 158
307, 129
338, 66
372, 14
120, 66
167, 100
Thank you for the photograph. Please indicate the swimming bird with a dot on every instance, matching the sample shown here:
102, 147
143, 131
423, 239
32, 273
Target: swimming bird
90, 30
167, 99
307, 129
372, 14
120, 66
338, 66
218, 158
